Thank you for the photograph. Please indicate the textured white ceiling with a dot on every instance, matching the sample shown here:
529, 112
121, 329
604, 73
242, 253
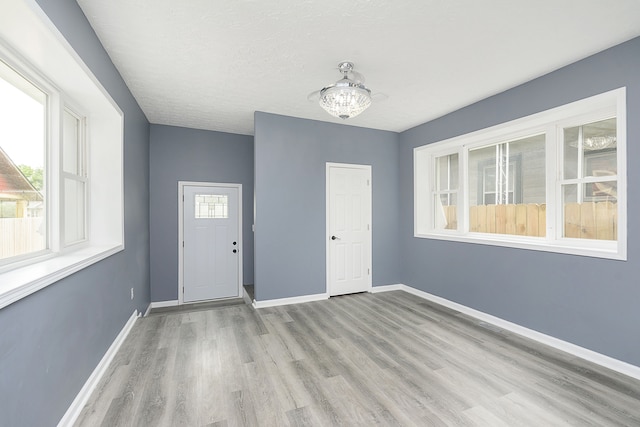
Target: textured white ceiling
209, 64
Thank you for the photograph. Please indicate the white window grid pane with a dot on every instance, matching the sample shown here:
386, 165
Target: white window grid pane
211, 206
74, 210
444, 195
75, 187
71, 153
590, 186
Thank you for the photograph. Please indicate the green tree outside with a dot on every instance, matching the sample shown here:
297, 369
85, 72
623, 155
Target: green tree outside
34, 175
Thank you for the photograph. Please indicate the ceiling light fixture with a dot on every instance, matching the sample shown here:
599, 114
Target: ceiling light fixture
348, 97
600, 142
594, 143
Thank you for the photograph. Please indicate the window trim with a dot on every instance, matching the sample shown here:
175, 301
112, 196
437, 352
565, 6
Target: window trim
550, 122
46, 53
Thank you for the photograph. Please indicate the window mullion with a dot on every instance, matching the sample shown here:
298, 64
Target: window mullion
55, 191
580, 172
463, 190
554, 175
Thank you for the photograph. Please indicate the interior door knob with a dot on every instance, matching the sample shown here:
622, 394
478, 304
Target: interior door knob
335, 238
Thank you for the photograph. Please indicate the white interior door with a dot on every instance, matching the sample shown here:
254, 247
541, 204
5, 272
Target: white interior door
211, 242
349, 228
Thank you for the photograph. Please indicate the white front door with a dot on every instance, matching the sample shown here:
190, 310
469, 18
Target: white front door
348, 228
211, 242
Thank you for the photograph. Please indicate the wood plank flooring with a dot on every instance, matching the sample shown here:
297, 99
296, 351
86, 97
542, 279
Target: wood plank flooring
366, 359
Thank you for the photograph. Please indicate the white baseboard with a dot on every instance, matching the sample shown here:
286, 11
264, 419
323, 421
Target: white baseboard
82, 397
581, 352
287, 301
318, 297
160, 304
387, 288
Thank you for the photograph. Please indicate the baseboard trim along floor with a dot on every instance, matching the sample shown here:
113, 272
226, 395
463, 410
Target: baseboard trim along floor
288, 301
584, 353
600, 359
581, 352
173, 303
161, 304
81, 399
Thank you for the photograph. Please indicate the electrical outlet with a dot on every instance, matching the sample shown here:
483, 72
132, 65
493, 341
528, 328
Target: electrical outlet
131, 293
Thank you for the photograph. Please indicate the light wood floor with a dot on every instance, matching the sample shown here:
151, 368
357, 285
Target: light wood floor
386, 359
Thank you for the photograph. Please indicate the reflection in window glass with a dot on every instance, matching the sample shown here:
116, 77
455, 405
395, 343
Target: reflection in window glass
590, 185
590, 149
507, 188
445, 202
22, 165
211, 206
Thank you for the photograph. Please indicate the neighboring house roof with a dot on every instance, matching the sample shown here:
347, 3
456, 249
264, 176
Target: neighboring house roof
13, 184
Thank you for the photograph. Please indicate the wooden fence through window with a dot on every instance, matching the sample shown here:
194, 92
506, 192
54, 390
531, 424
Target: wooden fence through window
589, 220
20, 236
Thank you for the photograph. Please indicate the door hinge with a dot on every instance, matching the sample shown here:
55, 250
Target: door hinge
368, 272
368, 227
183, 243
368, 183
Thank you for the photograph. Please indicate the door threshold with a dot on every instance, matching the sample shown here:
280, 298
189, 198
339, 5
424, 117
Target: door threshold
198, 306
349, 294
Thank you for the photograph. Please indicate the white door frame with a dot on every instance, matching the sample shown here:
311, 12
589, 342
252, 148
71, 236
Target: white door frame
181, 185
328, 222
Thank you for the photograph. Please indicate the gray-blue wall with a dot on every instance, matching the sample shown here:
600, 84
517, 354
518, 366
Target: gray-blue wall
181, 154
590, 302
52, 340
290, 168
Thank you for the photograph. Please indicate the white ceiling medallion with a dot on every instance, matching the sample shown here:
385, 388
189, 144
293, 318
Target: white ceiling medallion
348, 97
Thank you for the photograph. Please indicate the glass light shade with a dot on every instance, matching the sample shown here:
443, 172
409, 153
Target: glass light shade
599, 142
345, 99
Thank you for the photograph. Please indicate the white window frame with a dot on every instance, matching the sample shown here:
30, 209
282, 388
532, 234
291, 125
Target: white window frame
46, 56
551, 123
50, 126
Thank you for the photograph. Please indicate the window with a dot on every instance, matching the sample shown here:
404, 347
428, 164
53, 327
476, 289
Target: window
211, 206
551, 181
61, 158
28, 170
509, 174
589, 186
23, 119
445, 197
74, 172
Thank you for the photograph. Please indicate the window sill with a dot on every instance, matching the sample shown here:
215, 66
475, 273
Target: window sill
22, 282
595, 249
